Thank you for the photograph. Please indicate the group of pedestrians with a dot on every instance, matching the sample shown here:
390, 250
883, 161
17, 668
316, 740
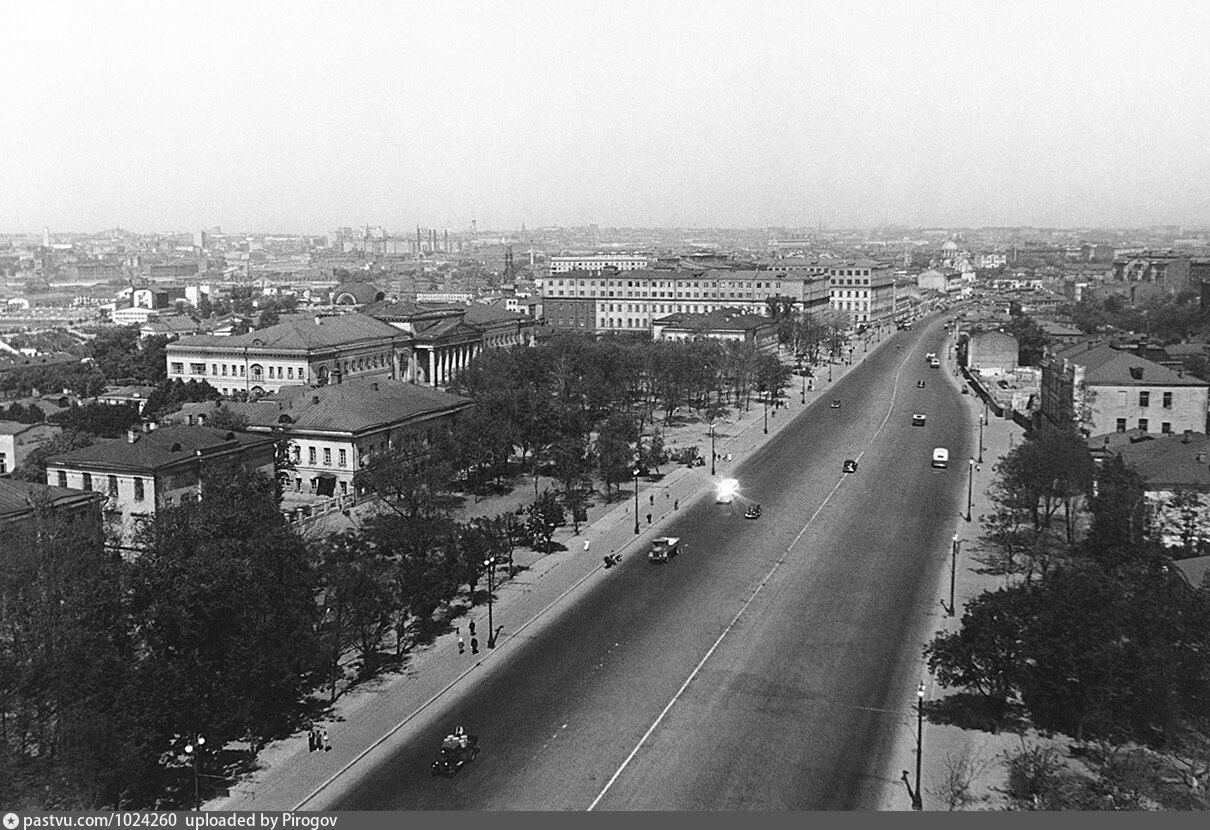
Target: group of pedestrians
474, 640
319, 740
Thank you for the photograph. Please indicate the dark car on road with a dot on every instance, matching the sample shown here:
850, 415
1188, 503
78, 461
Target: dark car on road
752, 512
850, 466
457, 751
836, 404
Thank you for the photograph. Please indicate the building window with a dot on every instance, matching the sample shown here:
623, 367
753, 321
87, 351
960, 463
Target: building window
1166, 428
3, 462
197, 368
311, 454
214, 369
1142, 424
138, 489
290, 372
344, 458
327, 456
113, 486
88, 481
178, 368
1144, 398
1121, 424
1167, 400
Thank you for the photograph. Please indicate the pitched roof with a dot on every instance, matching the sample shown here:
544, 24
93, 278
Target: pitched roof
159, 448
14, 427
19, 497
352, 406
300, 334
1170, 460
1105, 365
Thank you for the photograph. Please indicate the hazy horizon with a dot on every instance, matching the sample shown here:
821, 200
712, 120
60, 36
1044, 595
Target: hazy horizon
299, 117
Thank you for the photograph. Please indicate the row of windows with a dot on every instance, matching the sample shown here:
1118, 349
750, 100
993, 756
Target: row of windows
312, 456
669, 284
1165, 426
111, 484
1145, 399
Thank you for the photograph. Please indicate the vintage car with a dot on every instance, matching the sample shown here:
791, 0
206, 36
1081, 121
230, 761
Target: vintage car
850, 466
457, 750
752, 512
917, 420
664, 548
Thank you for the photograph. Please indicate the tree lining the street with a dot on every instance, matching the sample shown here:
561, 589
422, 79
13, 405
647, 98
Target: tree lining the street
1103, 640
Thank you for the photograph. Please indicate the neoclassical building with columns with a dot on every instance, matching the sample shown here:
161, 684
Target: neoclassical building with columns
445, 338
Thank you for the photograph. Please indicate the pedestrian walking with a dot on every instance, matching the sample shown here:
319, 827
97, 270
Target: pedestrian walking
648, 518
676, 505
461, 645
323, 740
311, 739
586, 541
474, 645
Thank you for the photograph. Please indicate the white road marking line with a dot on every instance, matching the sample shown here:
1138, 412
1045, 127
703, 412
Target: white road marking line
743, 607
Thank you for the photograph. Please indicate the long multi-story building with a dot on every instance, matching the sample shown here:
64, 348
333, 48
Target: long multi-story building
613, 301
596, 263
301, 352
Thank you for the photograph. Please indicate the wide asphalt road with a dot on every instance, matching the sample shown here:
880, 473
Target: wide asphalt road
771, 666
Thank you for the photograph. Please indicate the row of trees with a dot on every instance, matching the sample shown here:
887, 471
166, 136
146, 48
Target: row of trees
227, 623
1095, 633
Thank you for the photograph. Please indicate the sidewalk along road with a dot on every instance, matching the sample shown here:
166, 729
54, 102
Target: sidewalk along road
371, 719
944, 746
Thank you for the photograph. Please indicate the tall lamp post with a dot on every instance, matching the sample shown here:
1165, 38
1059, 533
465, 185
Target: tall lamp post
953, 570
193, 750
713, 455
970, 487
804, 387
766, 400
490, 564
980, 440
917, 803
636, 501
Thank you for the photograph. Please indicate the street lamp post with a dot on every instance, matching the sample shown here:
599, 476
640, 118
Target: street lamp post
917, 802
490, 564
970, 487
953, 570
636, 501
829, 368
193, 750
713, 455
804, 388
766, 399
980, 440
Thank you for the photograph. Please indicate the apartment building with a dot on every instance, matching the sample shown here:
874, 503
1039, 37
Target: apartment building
596, 263
631, 301
1101, 389
147, 471
334, 431
864, 289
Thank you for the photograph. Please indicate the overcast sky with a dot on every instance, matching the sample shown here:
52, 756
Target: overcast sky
304, 116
